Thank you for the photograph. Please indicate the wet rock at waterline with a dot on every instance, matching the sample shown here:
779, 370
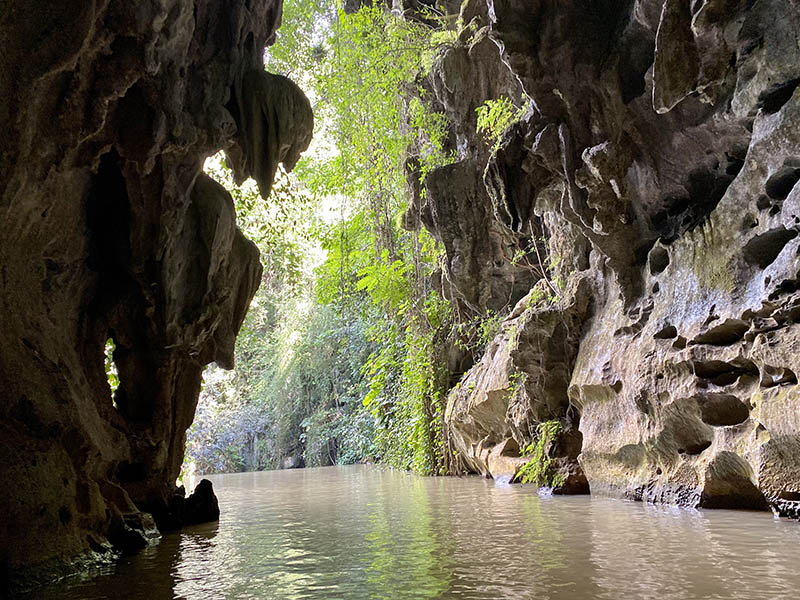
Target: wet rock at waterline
201, 506
654, 157
110, 230
133, 531
295, 461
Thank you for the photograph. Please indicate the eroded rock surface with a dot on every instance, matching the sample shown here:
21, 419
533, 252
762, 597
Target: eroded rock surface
522, 381
111, 230
657, 153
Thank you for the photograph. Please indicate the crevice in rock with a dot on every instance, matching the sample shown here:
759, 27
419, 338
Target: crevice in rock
636, 58
129, 472
642, 315
108, 220
780, 184
773, 99
705, 187
729, 484
659, 259
721, 373
693, 449
735, 162
682, 431
511, 449
722, 410
725, 334
773, 376
763, 249
786, 286
679, 343
749, 222
667, 332
112, 372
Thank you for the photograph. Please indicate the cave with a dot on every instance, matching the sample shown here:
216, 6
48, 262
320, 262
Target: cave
585, 255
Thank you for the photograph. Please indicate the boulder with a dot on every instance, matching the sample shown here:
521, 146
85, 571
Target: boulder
202, 505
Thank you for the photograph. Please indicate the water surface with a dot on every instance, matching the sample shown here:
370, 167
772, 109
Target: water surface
362, 532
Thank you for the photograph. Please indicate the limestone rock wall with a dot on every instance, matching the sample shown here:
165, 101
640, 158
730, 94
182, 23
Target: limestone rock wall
520, 382
110, 230
657, 154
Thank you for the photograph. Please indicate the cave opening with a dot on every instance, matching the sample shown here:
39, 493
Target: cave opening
415, 286
112, 373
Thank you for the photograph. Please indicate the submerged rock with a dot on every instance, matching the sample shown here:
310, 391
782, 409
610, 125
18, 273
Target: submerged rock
132, 531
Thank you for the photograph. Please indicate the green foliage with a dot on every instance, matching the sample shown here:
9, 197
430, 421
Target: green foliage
277, 225
495, 118
111, 369
386, 282
515, 383
297, 387
300, 42
407, 386
373, 268
489, 327
340, 356
374, 108
540, 469
476, 334
296, 391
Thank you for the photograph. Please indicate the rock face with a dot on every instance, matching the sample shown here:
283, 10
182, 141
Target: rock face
657, 153
110, 230
522, 381
201, 506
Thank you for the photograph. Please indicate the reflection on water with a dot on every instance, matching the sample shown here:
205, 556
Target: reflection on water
362, 532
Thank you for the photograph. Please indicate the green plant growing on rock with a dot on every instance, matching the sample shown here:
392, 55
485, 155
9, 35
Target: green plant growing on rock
495, 118
489, 327
476, 334
539, 297
541, 469
515, 382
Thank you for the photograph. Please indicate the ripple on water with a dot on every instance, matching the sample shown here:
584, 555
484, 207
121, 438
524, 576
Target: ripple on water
363, 532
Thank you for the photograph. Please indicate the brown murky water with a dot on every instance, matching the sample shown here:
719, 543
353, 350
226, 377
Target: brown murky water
361, 532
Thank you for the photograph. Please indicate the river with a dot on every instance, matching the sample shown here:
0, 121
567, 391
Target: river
362, 532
